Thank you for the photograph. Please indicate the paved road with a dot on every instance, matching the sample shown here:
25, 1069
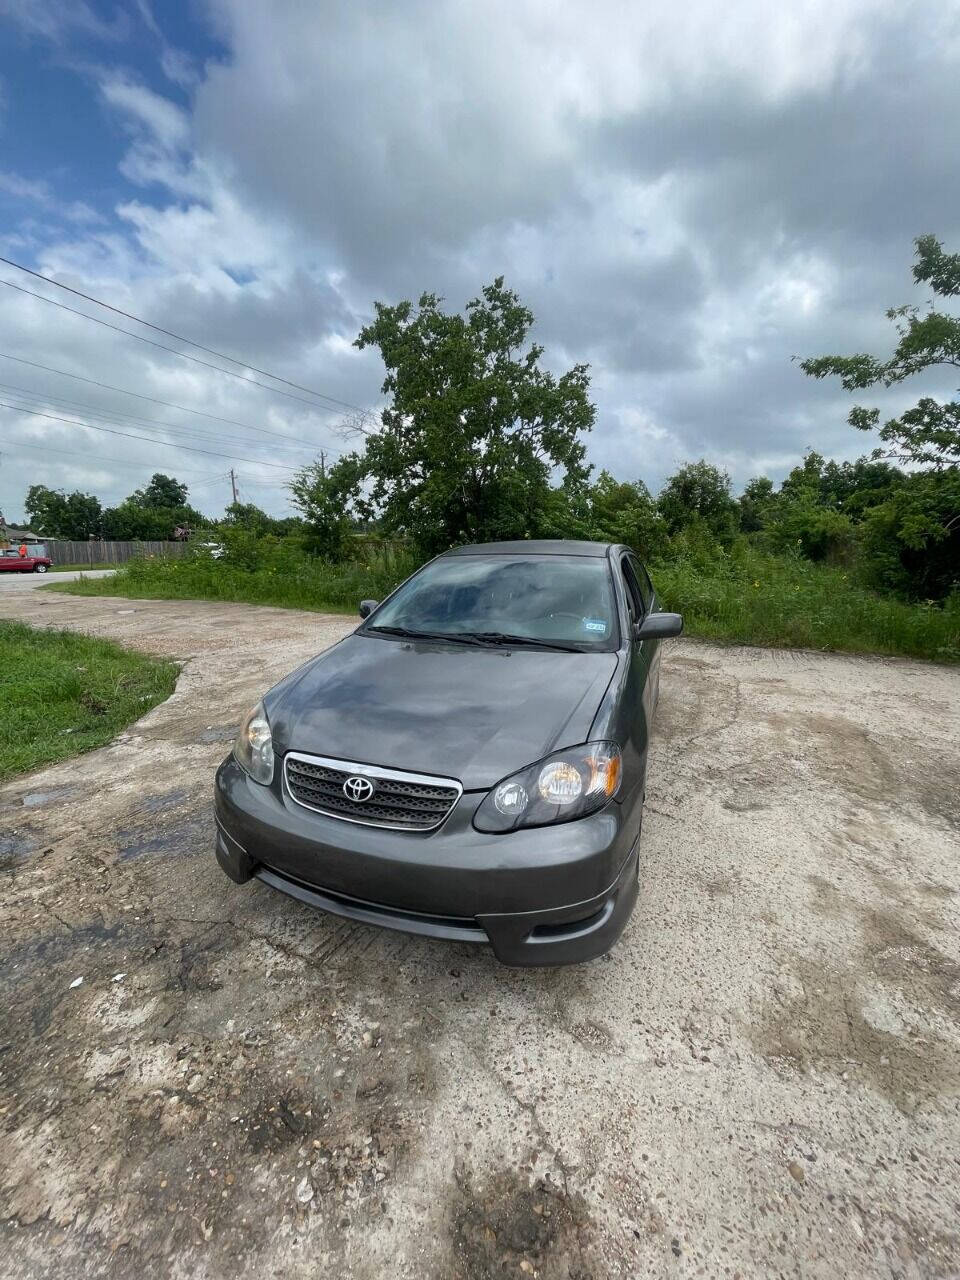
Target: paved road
28, 581
762, 1079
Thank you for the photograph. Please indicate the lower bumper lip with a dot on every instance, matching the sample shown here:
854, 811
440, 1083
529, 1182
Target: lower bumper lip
544, 895
568, 935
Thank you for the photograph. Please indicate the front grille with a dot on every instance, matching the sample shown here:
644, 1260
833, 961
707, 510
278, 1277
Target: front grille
404, 801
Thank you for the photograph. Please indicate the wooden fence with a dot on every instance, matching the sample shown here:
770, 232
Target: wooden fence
110, 552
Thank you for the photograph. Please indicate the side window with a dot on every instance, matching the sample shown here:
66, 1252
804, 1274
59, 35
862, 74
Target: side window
634, 595
643, 581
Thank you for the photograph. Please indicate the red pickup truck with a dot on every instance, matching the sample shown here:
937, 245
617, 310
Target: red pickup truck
11, 561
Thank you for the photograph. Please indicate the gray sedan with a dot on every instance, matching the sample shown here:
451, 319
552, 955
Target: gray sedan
469, 763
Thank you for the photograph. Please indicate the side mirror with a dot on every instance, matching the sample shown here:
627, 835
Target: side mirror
367, 607
659, 626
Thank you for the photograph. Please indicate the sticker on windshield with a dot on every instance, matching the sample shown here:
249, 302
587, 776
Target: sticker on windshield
595, 624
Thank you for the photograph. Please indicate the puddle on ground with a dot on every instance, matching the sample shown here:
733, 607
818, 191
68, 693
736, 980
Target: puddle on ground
157, 804
36, 799
15, 848
218, 733
185, 836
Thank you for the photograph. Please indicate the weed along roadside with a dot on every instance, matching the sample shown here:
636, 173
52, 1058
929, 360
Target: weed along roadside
279, 573
62, 694
738, 596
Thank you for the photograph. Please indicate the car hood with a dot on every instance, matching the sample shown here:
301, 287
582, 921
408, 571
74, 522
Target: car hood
448, 709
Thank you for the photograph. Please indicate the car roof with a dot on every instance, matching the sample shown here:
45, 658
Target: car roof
534, 546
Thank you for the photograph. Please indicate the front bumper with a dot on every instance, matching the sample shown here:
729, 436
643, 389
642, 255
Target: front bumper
550, 895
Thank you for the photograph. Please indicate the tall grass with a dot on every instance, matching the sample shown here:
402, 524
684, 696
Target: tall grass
62, 693
742, 596
291, 580
750, 597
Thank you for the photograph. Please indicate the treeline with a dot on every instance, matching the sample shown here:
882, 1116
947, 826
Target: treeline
158, 512
479, 443
898, 532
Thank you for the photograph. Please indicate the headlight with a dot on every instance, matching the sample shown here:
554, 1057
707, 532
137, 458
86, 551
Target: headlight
253, 749
567, 785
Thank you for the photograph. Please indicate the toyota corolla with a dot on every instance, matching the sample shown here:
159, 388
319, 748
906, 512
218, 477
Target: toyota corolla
469, 763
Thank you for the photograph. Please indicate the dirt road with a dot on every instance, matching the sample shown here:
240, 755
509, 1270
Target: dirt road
20, 582
761, 1079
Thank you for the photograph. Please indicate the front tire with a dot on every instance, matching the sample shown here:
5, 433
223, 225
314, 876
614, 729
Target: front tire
39, 568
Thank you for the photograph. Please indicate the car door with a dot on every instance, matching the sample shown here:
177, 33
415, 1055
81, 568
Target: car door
8, 562
649, 598
636, 708
644, 656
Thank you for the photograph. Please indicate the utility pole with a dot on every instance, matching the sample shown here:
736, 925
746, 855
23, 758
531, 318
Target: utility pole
233, 486
323, 464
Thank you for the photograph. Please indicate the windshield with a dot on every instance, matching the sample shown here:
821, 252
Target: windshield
553, 599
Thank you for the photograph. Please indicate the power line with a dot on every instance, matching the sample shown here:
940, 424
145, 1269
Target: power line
232, 422
166, 444
125, 420
343, 404
265, 484
250, 382
218, 479
96, 458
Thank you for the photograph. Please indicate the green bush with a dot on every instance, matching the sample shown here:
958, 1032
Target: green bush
816, 532
751, 597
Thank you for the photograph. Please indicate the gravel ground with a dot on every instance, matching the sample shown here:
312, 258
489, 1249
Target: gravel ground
204, 1080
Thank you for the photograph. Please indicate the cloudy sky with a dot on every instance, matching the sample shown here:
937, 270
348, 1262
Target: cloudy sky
686, 196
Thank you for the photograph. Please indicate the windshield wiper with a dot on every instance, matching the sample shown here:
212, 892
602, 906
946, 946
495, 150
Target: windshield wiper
480, 638
458, 637
505, 638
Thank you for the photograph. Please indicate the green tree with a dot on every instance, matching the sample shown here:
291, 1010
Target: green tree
475, 429
911, 541
803, 519
621, 511
799, 523
929, 433
45, 509
132, 522
58, 515
699, 493
805, 481
82, 516
855, 487
566, 513
756, 503
163, 492
329, 498
247, 515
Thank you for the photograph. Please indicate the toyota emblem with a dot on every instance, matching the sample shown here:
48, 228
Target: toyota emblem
357, 789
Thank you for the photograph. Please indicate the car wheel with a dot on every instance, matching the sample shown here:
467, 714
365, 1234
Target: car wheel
39, 568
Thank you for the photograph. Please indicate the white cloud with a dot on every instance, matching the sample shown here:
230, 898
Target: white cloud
26, 188
40, 193
179, 67
145, 110
58, 20
687, 196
